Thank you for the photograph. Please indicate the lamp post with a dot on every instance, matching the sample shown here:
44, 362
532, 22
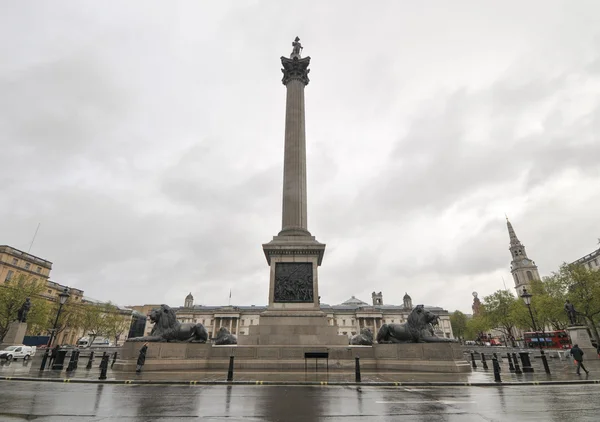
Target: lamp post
62, 298
527, 299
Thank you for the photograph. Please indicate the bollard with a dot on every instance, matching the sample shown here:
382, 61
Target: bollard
517, 367
77, 358
71, 365
511, 367
496, 366
103, 367
483, 361
101, 359
473, 360
526, 362
44, 359
357, 369
545, 362
114, 360
59, 360
230, 371
91, 359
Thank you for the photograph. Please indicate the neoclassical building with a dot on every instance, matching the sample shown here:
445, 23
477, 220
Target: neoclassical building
350, 316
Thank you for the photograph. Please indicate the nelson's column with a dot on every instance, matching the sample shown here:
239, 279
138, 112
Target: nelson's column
294, 316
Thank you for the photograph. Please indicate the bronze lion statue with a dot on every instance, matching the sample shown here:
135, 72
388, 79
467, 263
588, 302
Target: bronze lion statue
364, 338
224, 337
168, 329
418, 328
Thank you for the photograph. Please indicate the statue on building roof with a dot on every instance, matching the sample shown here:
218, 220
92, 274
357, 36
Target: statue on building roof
297, 48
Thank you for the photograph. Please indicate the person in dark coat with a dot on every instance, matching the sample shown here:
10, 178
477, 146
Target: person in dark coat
141, 358
578, 356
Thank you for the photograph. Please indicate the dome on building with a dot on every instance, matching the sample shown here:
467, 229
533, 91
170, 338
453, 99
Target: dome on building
353, 301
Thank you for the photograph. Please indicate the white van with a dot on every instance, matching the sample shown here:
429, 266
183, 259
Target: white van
17, 352
84, 342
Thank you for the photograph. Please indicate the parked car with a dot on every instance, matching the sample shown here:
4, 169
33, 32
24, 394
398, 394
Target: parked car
17, 352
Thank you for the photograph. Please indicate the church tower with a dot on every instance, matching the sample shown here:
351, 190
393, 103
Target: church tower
189, 301
523, 269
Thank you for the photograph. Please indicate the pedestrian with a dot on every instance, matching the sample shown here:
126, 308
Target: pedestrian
141, 358
578, 356
53, 355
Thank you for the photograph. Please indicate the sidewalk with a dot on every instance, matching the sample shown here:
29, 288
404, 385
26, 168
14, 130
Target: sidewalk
562, 372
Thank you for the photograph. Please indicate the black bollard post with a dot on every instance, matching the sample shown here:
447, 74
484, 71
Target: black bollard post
77, 358
103, 367
44, 359
526, 362
357, 369
230, 371
496, 366
473, 360
101, 359
517, 367
545, 362
114, 360
71, 365
90, 360
483, 361
511, 367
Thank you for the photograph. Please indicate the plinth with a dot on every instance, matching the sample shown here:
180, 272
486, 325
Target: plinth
579, 335
15, 334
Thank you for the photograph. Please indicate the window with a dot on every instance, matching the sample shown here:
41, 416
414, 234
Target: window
49, 291
243, 322
596, 262
344, 323
590, 265
529, 276
352, 322
15, 261
39, 269
27, 265
251, 322
9, 275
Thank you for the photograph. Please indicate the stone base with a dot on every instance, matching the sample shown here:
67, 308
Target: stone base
421, 357
15, 334
579, 335
280, 328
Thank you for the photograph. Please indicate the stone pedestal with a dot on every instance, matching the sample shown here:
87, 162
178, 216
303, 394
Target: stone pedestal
420, 357
15, 334
579, 335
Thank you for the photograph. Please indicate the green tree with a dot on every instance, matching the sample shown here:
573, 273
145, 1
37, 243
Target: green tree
117, 323
12, 295
92, 321
582, 287
458, 320
504, 312
477, 324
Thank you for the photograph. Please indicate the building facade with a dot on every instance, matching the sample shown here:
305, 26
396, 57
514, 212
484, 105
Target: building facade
349, 317
591, 260
523, 269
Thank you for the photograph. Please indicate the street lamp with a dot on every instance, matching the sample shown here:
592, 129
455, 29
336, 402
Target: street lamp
62, 298
527, 299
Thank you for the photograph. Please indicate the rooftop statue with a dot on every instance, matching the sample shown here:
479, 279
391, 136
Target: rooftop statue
417, 329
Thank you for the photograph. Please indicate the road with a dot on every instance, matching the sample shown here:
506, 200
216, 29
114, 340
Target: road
43, 401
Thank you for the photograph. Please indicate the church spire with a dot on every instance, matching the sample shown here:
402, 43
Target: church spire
514, 240
523, 269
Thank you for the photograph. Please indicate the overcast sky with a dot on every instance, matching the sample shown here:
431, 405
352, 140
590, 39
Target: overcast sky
147, 139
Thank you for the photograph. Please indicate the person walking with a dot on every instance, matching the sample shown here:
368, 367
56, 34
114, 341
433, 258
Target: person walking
141, 358
578, 356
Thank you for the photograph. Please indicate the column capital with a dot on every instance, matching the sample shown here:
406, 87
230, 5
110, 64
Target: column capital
295, 68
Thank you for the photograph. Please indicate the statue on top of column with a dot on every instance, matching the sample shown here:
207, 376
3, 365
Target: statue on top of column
297, 48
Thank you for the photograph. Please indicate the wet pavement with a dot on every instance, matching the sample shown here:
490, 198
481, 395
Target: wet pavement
561, 371
43, 401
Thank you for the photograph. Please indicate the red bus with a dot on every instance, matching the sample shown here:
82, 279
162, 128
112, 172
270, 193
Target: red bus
549, 340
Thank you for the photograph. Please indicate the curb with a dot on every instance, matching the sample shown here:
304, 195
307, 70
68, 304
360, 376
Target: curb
302, 383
